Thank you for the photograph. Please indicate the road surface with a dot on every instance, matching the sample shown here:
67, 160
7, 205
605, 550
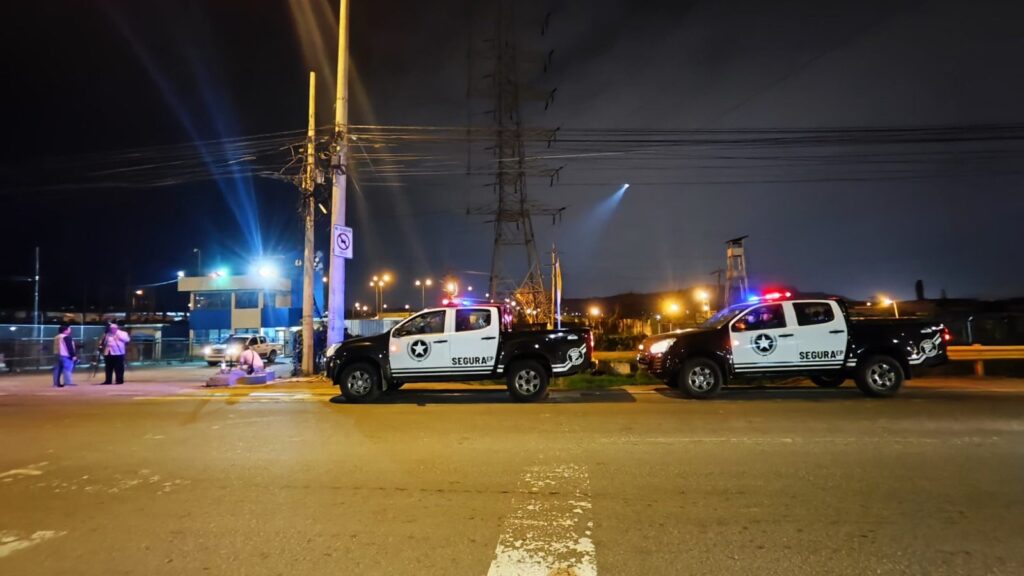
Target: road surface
160, 476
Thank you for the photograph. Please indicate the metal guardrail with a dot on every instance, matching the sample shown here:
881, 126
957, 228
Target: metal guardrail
979, 352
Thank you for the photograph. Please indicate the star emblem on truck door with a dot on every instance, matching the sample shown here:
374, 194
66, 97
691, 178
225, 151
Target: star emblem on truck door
763, 344
419, 350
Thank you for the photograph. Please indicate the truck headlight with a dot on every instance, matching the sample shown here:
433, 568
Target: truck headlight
661, 346
330, 351
232, 350
207, 350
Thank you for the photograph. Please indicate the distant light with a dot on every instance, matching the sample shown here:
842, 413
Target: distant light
181, 273
13, 328
219, 273
470, 288
267, 271
138, 292
595, 311
625, 186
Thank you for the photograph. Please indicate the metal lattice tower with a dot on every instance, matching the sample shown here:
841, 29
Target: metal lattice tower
736, 286
513, 224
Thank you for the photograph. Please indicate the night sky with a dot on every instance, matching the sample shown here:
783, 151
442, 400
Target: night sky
830, 206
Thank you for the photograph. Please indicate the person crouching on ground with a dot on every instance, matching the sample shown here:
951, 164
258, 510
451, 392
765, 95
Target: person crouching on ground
65, 356
249, 361
113, 348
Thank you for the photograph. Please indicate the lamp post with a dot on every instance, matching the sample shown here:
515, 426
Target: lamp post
895, 309
705, 306
378, 283
423, 291
199, 261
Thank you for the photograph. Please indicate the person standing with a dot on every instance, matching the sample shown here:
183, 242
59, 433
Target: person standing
65, 356
113, 349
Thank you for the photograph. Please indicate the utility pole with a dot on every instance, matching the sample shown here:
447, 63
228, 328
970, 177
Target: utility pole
339, 169
308, 182
35, 300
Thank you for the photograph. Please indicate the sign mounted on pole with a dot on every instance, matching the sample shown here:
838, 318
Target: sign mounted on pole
341, 241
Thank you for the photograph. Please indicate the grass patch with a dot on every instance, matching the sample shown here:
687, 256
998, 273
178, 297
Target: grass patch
584, 381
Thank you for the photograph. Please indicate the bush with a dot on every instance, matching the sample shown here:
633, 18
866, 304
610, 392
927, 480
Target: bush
617, 342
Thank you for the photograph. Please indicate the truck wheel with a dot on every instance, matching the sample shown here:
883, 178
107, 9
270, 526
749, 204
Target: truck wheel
527, 381
832, 381
360, 383
208, 363
700, 378
879, 376
272, 357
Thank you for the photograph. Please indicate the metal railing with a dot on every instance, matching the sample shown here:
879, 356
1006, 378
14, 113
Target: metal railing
979, 354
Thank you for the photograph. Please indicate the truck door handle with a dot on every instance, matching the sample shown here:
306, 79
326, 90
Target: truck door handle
440, 341
785, 335
836, 331
488, 337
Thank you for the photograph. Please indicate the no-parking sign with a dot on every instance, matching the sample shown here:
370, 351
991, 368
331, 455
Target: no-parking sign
341, 242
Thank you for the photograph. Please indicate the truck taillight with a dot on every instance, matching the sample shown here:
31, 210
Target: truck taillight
946, 336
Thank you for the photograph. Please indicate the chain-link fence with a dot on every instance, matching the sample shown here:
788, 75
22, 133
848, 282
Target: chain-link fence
28, 347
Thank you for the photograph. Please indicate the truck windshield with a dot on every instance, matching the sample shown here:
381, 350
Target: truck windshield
236, 340
722, 317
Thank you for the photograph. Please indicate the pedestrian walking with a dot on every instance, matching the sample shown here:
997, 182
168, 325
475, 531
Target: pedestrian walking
64, 356
112, 346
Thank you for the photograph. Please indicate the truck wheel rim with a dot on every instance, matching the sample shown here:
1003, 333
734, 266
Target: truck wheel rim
527, 381
701, 379
882, 376
359, 383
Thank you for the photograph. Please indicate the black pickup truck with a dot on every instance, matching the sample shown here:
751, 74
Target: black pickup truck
782, 338
458, 344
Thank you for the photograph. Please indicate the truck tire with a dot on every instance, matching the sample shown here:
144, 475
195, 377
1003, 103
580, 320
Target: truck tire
272, 357
360, 383
700, 378
208, 363
879, 376
831, 381
527, 381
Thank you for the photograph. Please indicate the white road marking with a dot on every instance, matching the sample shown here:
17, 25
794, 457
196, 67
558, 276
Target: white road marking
30, 470
550, 529
11, 542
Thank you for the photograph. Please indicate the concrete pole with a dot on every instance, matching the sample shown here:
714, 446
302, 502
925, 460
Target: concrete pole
308, 182
339, 170
35, 301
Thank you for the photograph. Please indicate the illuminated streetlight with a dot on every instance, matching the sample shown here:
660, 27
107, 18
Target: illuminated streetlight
138, 292
378, 283
886, 302
423, 291
181, 273
595, 311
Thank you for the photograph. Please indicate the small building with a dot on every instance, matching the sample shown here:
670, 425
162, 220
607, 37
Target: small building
248, 304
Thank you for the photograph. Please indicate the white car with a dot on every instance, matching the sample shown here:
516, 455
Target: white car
231, 348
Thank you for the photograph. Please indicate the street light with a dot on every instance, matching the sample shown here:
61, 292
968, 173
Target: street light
181, 273
378, 284
423, 291
199, 260
895, 309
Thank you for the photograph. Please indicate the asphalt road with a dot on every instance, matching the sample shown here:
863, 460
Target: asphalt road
162, 477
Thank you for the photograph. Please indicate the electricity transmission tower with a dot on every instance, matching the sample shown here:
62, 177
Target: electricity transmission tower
512, 211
